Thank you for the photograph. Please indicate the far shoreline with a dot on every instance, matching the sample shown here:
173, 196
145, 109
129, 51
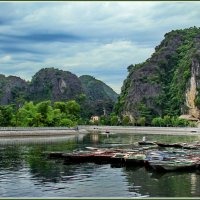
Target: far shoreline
62, 131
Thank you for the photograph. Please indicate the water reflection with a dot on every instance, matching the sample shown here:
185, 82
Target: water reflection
95, 138
38, 140
25, 163
160, 184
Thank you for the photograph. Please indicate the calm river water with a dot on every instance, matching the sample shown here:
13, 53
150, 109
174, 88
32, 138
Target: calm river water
25, 171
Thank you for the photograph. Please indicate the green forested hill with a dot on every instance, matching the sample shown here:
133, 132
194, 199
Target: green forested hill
12, 89
96, 89
168, 83
100, 97
57, 85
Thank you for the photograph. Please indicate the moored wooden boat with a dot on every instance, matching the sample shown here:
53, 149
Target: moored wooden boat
92, 148
134, 159
146, 143
78, 158
118, 158
175, 145
173, 165
156, 155
103, 157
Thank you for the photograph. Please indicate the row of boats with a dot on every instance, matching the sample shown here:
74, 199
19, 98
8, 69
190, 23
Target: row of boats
165, 157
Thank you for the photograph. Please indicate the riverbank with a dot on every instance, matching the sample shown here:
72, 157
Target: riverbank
144, 130
38, 131
62, 131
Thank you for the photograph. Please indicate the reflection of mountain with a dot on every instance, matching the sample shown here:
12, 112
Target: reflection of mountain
160, 185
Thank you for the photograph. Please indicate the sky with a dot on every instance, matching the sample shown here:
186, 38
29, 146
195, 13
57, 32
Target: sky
95, 38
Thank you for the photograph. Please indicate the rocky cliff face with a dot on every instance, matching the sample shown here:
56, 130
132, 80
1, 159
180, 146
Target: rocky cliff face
168, 83
191, 92
12, 88
55, 85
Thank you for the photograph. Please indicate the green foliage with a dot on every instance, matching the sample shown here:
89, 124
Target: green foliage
126, 120
67, 122
41, 114
73, 108
60, 106
28, 116
141, 121
197, 101
114, 120
98, 96
96, 89
104, 120
6, 114
172, 122
169, 71
144, 111
157, 121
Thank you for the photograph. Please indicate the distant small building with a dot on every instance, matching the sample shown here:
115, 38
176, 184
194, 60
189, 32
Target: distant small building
95, 119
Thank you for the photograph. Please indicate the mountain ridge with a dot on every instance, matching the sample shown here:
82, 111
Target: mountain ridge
55, 85
167, 83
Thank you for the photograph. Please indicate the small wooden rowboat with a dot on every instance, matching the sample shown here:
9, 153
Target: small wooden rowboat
118, 158
173, 165
146, 143
78, 158
175, 145
135, 159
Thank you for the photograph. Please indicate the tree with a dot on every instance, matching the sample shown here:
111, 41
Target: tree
67, 122
114, 120
61, 106
26, 115
73, 108
104, 120
141, 121
57, 117
158, 121
167, 120
126, 120
6, 115
46, 111
41, 114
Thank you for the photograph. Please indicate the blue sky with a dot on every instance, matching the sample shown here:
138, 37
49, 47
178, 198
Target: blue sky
96, 38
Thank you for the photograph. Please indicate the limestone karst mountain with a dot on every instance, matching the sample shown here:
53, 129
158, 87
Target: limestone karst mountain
168, 83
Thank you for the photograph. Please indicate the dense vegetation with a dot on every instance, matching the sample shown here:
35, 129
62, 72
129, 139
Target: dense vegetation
41, 114
99, 99
68, 114
158, 86
166, 121
52, 84
153, 94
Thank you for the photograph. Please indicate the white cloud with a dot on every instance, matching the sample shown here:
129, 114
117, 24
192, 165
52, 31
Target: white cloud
112, 35
5, 59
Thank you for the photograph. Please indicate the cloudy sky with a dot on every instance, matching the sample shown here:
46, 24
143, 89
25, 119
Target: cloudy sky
97, 38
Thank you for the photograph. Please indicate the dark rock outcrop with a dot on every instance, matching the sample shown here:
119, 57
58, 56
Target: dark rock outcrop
12, 88
55, 85
58, 85
168, 83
